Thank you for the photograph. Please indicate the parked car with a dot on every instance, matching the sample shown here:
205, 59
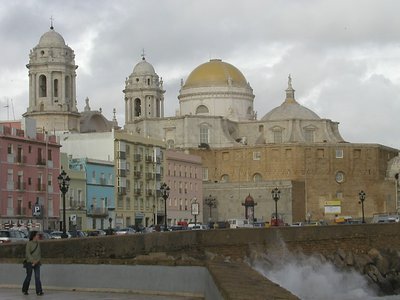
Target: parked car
96, 232
297, 224
127, 230
77, 233
12, 236
57, 234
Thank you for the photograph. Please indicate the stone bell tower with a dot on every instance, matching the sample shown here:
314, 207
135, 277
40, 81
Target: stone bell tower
52, 84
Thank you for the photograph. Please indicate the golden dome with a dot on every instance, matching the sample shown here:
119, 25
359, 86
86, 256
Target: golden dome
216, 73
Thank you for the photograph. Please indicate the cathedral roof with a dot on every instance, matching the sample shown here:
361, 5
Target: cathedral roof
51, 39
290, 109
216, 73
143, 68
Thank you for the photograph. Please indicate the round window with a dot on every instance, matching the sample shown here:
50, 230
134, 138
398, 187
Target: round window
339, 177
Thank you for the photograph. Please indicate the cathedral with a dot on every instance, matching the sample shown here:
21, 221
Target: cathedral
319, 175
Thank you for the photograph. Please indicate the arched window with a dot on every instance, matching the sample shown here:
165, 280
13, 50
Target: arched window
67, 87
55, 87
225, 178
204, 134
42, 86
138, 108
202, 109
257, 177
148, 81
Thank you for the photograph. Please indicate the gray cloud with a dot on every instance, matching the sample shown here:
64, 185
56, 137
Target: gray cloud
343, 55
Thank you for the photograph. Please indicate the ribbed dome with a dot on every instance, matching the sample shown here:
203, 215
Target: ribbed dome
216, 73
290, 110
144, 68
51, 39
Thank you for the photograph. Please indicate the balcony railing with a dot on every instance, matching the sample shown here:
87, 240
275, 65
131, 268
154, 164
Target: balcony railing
149, 158
21, 186
97, 211
137, 157
137, 174
103, 181
41, 187
121, 155
41, 162
137, 191
122, 191
149, 176
20, 159
149, 192
121, 173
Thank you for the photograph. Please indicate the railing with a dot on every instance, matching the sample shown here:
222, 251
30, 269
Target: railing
149, 158
137, 191
121, 173
98, 211
121, 155
103, 181
122, 190
20, 159
149, 176
137, 157
41, 162
137, 174
149, 192
21, 186
41, 187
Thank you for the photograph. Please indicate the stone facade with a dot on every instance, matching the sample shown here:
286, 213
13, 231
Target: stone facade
330, 177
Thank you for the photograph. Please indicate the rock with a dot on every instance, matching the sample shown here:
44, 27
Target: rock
349, 260
360, 261
383, 283
382, 264
341, 254
374, 254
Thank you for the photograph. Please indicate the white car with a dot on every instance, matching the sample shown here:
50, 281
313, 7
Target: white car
12, 236
57, 234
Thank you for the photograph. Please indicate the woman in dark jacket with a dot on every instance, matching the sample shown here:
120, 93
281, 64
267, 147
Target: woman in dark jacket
33, 257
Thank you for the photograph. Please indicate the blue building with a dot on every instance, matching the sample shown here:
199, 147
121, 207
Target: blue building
100, 202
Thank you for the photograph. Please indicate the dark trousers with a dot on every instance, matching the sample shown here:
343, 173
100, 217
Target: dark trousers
27, 281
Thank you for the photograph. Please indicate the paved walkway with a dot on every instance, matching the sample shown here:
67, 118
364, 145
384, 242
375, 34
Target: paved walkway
14, 294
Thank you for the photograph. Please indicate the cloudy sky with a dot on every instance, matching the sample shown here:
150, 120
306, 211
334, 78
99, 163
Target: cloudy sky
344, 56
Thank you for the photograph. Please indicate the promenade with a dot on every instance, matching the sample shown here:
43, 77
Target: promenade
15, 294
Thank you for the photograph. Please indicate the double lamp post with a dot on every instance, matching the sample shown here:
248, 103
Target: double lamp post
165, 194
63, 183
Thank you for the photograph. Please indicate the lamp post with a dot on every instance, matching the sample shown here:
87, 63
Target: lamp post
165, 194
63, 183
211, 202
362, 199
195, 210
276, 194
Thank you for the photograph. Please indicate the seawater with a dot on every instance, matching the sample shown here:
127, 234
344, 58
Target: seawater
311, 278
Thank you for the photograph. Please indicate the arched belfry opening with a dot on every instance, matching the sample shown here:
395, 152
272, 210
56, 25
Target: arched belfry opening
138, 107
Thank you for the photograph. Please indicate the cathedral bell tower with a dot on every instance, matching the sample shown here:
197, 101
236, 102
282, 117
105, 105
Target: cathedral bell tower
144, 94
52, 84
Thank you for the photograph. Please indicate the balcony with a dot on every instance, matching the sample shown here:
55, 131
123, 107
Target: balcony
137, 174
121, 155
20, 211
158, 160
149, 176
149, 158
137, 191
149, 192
20, 159
97, 212
103, 181
20, 186
122, 191
41, 187
121, 173
41, 162
137, 157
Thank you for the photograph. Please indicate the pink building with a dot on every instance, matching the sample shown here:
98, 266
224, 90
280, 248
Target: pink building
183, 175
29, 167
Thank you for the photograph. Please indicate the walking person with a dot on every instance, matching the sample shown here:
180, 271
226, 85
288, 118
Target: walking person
32, 256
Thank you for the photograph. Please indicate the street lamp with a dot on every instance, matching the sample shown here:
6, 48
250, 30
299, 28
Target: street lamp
211, 202
276, 194
165, 194
195, 210
63, 183
362, 198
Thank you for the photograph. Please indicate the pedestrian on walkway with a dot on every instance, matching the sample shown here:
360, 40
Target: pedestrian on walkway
33, 257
